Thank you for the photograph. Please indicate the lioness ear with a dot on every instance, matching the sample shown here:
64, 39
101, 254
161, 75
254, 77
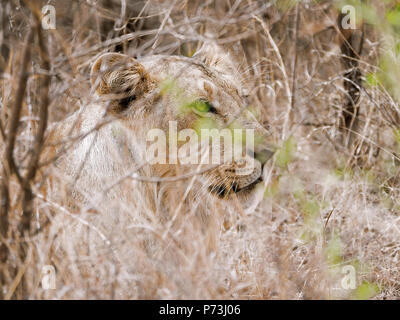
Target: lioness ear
215, 56
119, 76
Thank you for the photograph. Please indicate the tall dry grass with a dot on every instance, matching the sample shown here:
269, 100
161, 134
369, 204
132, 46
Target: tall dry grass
331, 197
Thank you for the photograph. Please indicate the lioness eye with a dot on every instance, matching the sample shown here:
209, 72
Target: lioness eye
204, 106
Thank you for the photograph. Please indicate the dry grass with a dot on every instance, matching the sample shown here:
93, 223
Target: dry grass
330, 201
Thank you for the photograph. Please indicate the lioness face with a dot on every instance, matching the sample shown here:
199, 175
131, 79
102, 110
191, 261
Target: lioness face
161, 90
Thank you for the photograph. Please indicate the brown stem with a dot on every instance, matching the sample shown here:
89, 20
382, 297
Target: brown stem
352, 82
8, 158
39, 138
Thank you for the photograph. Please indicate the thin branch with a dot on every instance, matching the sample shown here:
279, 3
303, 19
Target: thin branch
8, 158
294, 67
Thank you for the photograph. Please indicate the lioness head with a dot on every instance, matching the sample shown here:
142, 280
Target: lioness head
191, 94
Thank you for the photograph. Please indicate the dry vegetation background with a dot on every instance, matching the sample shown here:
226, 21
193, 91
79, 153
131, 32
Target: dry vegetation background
332, 197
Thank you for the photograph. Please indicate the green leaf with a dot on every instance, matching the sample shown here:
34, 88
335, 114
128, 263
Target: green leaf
272, 189
371, 79
393, 16
366, 291
286, 153
334, 250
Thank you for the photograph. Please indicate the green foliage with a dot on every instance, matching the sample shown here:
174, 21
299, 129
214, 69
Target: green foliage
286, 153
372, 79
334, 250
344, 173
393, 16
285, 5
310, 208
396, 133
272, 189
364, 291
384, 16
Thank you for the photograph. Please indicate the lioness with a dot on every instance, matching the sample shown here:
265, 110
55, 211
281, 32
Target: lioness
105, 147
